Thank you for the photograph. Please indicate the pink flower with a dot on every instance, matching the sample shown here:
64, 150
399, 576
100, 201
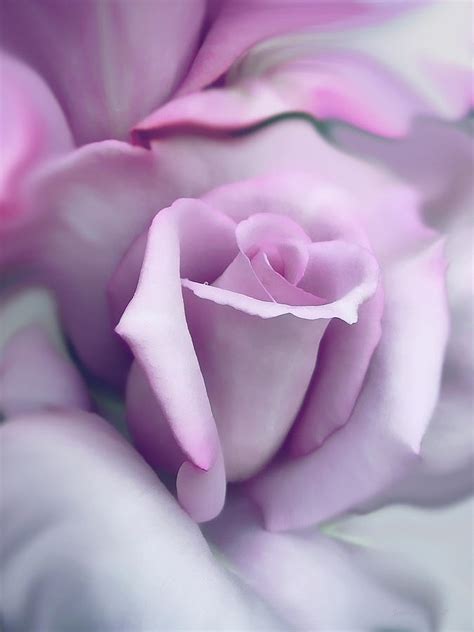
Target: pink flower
292, 319
279, 325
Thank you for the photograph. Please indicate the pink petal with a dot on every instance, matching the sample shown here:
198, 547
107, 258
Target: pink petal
377, 78
35, 372
149, 428
383, 435
281, 290
154, 323
90, 206
317, 582
132, 56
343, 360
92, 539
256, 372
350, 277
32, 129
437, 159
236, 27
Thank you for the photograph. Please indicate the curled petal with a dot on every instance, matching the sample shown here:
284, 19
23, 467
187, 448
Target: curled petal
353, 279
154, 324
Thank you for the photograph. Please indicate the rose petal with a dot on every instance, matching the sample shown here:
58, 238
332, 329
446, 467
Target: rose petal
278, 287
343, 360
121, 73
154, 323
236, 27
350, 277
378, 78
35, 372
32, 129
91, 539
383, 435
148, 425
437, 159
315, 582
256, 372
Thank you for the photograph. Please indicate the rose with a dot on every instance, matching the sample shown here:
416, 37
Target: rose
259, 307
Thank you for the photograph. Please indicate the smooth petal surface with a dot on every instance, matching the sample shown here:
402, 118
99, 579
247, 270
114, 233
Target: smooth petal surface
343, 360
235, 27
35, 371
89, 208
91, 540
434, 544
154, 325
32, 129
133, 55
377, 78
149, 428
315, 582
438, 160
383, 435
256, 372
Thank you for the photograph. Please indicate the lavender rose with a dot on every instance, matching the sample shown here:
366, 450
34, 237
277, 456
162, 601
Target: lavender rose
279, 334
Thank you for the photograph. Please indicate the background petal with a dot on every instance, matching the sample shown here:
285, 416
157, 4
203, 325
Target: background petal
315, 582
378, 77
91, 540
132, 56
438, 160
235, 27
35, 370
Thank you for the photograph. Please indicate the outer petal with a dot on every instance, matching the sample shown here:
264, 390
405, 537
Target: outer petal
91, 540
438, 160
89, 208
378, 78
133, 55
35, 372
32, 129
154, 325
435, 544
235, 27
318, 583
92, 205
383, 435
